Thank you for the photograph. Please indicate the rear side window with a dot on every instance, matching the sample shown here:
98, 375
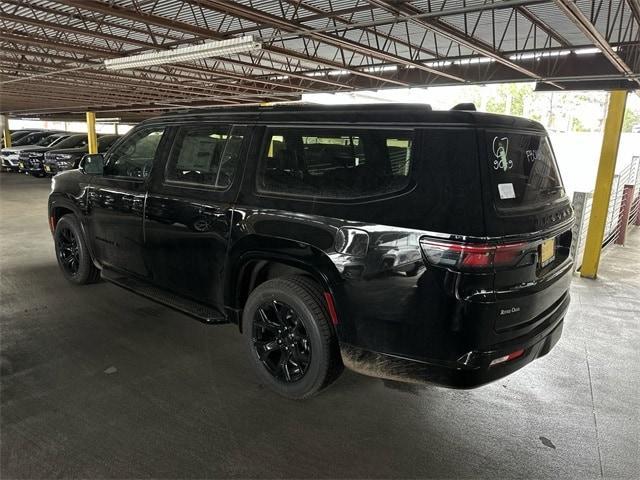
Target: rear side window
205, 154
523, 170
335, 164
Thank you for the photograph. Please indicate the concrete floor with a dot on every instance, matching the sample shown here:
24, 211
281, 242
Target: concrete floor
97, 382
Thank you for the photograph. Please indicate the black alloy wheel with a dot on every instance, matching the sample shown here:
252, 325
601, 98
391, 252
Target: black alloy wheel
281, 342
72, 253
68, 250
290, 338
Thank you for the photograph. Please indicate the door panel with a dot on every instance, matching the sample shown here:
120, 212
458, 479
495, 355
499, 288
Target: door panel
115, 219
116, 202
189, 211
186, 242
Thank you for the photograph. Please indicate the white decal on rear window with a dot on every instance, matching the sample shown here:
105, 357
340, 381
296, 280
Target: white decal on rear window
532, 155
500, 151
506, 191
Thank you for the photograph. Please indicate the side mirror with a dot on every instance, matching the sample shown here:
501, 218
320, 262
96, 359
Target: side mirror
92, 164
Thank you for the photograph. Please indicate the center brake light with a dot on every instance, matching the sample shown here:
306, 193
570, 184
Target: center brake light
471, 256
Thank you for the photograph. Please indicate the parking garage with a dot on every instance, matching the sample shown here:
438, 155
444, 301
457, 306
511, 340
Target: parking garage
102, 381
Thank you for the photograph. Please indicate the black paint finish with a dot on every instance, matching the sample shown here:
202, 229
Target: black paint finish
393, 307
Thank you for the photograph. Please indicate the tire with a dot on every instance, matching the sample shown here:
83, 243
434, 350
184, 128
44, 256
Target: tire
72, 253
289, 337
414, 270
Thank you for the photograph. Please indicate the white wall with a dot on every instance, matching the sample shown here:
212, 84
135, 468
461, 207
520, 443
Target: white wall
578, 155
76, 127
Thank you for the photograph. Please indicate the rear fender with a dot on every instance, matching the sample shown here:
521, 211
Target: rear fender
299, 255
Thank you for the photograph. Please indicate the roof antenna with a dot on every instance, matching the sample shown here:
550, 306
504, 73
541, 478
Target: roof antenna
469, 106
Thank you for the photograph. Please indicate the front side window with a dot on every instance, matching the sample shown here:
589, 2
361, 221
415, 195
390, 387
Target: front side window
335, 164
205, 154
134, 157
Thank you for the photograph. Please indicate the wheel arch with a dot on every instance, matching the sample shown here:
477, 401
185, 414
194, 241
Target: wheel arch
59, 206
261, 259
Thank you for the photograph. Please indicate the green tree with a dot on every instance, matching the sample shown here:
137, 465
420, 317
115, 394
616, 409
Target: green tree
510, 99
578, 126
519, 94
631, 118
496, 105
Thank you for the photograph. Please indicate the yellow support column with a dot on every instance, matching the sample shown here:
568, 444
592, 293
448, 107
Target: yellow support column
6, 133
91, 132
604, 181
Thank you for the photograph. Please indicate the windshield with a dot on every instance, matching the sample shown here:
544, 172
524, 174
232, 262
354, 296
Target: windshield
523, 170
28, 139
106, 142
18, 135
74, 141
47, 141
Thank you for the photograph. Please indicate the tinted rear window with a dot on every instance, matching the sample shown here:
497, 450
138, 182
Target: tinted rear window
335, 164
523, 170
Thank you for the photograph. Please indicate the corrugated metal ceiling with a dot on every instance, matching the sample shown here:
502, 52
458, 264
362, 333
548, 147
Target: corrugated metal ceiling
308, 45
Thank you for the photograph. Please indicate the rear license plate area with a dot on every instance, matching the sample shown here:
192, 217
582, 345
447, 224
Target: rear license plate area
547, 253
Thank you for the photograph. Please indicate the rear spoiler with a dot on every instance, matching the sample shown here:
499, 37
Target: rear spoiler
471, 107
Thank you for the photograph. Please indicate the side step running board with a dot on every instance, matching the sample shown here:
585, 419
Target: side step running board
194, 309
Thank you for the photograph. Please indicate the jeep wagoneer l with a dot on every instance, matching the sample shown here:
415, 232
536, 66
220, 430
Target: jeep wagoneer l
401, 242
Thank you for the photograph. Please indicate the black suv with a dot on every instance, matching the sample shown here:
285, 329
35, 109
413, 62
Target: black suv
30, 158
67, 156
9, 155
404, 243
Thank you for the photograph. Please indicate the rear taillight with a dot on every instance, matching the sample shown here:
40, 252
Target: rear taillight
471, 256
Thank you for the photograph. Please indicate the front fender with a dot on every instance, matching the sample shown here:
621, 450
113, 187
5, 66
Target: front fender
69, 193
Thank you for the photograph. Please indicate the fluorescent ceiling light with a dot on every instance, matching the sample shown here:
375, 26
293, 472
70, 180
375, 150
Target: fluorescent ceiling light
185, 54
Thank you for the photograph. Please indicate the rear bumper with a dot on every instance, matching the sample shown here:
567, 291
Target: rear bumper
470, 371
